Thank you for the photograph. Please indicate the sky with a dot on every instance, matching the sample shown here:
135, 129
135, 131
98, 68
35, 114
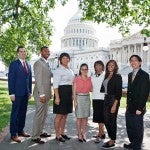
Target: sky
61, 16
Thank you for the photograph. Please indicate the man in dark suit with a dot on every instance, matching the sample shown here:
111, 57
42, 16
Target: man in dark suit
19, 85
137, 95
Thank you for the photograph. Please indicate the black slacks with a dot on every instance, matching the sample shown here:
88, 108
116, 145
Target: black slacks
135, 130
110, 119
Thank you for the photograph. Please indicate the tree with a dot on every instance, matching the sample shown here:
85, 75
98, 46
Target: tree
24, 22
120, 13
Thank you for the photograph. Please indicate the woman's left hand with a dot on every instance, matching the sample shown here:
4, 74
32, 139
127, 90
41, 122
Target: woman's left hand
113, 109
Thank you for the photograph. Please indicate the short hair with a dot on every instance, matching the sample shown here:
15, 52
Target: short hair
84, 64
43, 48
137, 56
63, 55
19, 48
100, 63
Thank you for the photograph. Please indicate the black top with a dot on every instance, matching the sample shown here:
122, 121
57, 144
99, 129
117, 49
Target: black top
114, 86
138, 91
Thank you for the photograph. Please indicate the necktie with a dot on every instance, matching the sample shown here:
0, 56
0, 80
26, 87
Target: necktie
133, 76
48, 65
25, 68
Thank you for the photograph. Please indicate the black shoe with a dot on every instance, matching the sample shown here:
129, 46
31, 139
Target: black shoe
107, 145
65, 137
80, 140
84, 140
45, 135
38, 140
127, 146
60, 139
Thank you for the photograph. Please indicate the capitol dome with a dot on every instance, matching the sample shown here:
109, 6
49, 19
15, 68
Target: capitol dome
78, 34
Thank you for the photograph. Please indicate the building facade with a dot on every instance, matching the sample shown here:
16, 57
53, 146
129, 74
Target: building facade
122, 49
80, 42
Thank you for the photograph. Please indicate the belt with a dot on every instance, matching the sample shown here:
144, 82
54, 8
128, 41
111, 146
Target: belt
82, 94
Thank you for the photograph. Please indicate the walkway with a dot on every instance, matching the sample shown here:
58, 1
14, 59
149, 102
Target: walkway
73, 144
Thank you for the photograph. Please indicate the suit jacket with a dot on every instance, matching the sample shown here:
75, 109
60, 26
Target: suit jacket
19, 83
114, 87
42, 79
138, 91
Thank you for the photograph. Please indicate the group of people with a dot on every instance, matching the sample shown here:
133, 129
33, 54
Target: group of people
105, 85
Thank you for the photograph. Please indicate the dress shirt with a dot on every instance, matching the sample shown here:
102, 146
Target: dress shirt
62, 76
97, 81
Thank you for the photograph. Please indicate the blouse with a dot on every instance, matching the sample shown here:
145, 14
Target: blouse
83, 85
62, 76
96, 84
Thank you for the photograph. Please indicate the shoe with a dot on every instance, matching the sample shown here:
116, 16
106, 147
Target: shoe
16, 139
96, 136
84, 140
38, 140
80, 140
97, 140
65, 137
127, 146
45, 135
24, 134
60, 139
107, 145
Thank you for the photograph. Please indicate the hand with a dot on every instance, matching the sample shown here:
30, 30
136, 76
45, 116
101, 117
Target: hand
138, 112
113, 109
12, 98
57, 101
43, 99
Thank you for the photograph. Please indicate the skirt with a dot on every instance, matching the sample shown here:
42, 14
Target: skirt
83, 106
66, 105
98, 111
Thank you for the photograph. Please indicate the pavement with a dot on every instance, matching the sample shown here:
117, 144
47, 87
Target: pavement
73, 144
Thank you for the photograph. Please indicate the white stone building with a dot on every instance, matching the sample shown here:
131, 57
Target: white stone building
121, 50
80, 42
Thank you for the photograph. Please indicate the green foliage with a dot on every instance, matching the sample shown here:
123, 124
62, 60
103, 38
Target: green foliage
120, 13
24, 22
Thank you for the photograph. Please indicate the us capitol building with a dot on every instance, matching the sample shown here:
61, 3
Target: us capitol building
80, 42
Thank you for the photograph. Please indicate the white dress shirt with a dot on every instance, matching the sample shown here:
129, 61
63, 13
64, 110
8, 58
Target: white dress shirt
62, 76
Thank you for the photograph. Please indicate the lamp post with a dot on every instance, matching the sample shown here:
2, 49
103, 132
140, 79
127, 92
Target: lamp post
57, 59
145, 45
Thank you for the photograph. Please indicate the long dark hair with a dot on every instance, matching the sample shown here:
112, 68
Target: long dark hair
84, 64
115, 70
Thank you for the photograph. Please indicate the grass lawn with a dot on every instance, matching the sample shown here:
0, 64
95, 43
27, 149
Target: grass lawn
5, 104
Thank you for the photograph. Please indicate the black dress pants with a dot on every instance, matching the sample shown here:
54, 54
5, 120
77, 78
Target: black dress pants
110, 119
135, 130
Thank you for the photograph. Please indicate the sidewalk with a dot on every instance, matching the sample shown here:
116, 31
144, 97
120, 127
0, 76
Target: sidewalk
73, 144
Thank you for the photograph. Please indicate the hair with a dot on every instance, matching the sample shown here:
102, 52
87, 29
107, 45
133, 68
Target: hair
19, 48
115, 70
84, 64
43, 48
100, 63
137, 56
63, 55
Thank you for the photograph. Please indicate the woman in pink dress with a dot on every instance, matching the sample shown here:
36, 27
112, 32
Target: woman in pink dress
82, 87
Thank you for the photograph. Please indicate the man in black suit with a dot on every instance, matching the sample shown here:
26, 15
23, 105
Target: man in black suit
137, 95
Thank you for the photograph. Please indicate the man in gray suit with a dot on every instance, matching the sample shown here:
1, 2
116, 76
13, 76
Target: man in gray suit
42, 94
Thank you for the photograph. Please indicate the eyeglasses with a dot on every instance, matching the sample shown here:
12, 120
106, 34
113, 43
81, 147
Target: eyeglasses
84, 69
